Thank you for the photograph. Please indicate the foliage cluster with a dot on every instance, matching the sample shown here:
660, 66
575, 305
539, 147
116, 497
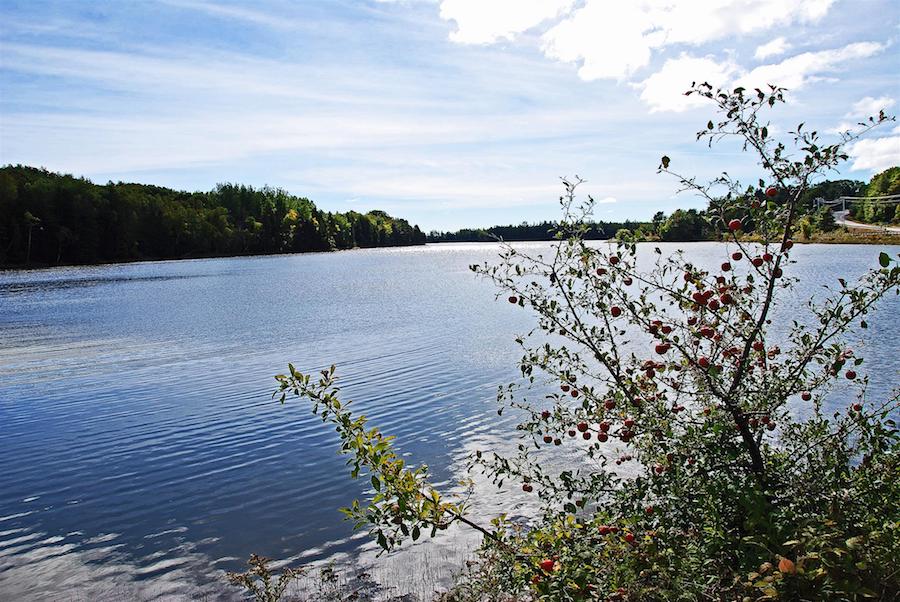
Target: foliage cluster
874, 210
50, 218
712, 465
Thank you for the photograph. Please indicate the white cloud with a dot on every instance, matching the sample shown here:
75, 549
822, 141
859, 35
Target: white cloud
487, 21
613, 39
868, 106
862, 109
776, 47
608, 45
606, 200
795, 72
876, 154
664, 90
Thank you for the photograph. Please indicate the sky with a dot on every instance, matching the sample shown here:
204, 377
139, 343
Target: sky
449, 113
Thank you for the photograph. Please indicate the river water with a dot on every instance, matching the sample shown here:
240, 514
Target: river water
141, 453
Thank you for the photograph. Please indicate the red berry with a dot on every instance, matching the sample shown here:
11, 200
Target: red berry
767, 257
604, 426
851, 374
602, 437
703, 362
527, 488
548, 439
737, 255
648, 510
547, 565
601, 271
713, 305
609, 404
513, 299
726, 267
734, 225
663, 348
757, 261
615, 311
545, 414
582, 426
771, 192
628, 423
788, 244
627, 281
629, 537
806, 396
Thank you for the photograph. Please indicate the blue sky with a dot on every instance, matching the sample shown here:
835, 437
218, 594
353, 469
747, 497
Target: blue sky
450, 113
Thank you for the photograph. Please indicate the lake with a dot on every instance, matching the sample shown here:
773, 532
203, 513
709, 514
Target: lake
141, 453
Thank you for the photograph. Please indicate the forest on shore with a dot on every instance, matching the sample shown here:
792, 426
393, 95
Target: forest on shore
49, 218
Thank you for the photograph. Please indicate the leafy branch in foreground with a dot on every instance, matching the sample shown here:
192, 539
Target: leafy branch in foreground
405, 503
710, 463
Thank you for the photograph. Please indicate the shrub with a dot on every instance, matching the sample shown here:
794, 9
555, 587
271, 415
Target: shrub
711, 467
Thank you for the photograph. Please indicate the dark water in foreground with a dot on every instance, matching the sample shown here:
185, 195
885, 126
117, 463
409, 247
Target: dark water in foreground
141, 453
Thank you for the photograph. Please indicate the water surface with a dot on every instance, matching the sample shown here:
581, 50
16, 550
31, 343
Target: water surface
141, 453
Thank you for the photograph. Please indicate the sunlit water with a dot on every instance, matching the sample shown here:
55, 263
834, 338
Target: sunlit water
141, 454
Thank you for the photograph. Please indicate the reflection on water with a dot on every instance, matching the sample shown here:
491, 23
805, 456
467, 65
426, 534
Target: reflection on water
141, 453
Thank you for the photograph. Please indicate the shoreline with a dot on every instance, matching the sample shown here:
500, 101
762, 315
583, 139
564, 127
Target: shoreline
38, 266
837, 238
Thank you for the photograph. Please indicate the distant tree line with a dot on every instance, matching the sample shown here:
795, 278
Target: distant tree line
687, 225
525, 231
48, 218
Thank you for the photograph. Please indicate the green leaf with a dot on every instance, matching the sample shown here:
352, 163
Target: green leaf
376, 483
884, 259
665, 162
